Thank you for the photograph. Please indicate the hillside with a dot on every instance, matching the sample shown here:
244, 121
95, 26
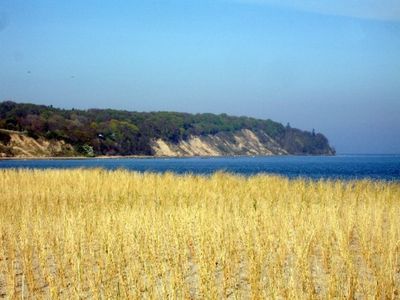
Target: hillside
37, 130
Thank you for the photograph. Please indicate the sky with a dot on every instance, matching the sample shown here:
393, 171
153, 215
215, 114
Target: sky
329, 65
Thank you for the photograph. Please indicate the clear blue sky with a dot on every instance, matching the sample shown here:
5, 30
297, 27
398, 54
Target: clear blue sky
329, 65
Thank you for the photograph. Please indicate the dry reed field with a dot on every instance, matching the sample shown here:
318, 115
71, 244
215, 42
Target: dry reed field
78, 234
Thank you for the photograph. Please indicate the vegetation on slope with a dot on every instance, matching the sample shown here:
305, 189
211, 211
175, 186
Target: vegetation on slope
73, 234
19, 144
116, 132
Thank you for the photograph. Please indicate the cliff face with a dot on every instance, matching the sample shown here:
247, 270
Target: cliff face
243, 142
16, 144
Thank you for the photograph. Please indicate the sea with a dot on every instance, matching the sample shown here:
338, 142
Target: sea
344, 167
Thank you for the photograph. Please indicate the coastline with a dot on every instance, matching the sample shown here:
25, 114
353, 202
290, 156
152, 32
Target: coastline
120, 157
80, 157
144, 157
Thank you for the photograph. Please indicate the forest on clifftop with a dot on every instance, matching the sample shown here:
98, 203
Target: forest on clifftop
119, 132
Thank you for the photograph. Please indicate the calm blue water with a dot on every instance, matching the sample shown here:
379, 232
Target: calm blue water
385, 167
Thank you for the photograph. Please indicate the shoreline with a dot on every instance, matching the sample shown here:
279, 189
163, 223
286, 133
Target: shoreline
81, 157
149, 157
122, 157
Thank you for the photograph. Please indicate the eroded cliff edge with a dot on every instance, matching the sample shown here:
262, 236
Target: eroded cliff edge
19, 144
243, 142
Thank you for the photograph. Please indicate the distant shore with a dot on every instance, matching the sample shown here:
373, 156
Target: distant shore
139, 157
111, 157
81, 157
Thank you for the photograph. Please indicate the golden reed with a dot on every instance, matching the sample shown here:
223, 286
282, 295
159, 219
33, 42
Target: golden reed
71, 234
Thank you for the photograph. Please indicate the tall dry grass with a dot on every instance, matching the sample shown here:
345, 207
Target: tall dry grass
106, 235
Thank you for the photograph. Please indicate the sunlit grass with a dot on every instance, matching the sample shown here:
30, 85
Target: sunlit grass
94, 233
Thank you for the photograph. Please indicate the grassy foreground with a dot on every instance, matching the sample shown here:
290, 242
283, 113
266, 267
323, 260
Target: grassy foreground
100, 234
